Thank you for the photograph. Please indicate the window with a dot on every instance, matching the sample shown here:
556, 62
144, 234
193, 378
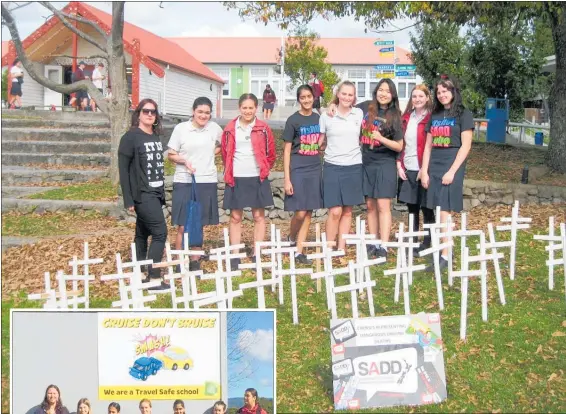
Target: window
275, 87
259, 72
258, 86
356, 73
372, 86
361, 88
374, 74
411, 87
226, 89
223, 73
402, 90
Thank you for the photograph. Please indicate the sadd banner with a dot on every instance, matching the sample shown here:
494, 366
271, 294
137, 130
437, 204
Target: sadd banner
387, 361
164, 356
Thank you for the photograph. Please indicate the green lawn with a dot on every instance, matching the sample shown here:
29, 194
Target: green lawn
512, 363
96, 190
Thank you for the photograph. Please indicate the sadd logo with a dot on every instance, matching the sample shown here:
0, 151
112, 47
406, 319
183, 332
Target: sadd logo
343, 332
389, 371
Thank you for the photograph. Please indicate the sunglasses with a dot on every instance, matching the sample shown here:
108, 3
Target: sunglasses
149, 111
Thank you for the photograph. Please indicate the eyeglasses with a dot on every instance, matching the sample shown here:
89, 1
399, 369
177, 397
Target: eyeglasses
149, 111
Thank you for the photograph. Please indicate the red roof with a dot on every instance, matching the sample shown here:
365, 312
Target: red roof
263, 50
157, 47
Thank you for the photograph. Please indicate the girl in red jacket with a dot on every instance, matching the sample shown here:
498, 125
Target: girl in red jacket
248, 153
251, 403
410, 191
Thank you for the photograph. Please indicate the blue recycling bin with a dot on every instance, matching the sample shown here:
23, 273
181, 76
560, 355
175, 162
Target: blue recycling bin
497, 113
539, 138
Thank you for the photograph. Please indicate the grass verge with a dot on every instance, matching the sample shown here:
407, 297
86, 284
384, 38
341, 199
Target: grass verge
96, 190
514, 362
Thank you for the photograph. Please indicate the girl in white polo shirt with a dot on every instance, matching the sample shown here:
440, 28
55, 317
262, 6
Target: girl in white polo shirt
342, 170
193, 147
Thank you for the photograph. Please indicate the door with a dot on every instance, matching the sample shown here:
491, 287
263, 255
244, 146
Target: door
54, 74
237, 79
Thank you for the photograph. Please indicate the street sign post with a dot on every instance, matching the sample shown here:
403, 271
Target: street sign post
384, 43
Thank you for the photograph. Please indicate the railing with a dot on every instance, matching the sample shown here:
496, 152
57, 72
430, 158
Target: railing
478, 129
525, 132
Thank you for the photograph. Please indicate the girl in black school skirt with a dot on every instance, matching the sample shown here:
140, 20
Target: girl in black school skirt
302, 167
448, 143
382, 140
409, 189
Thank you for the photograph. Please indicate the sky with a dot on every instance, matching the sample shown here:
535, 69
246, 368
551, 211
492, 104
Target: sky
204, 19
256, 341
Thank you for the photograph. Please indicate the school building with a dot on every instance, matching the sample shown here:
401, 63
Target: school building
157, 68
247, 64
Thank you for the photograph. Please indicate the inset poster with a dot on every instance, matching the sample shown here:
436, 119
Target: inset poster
387, 361
164, 357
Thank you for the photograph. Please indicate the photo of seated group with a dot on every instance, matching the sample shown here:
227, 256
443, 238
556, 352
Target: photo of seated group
147, 362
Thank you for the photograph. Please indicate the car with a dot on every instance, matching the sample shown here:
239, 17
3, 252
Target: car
175, 357
144, 367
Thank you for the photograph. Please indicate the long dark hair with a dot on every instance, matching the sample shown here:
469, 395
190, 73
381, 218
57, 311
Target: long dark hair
136, 116
253, 392
452, 84
58, 405
177, 402
393, 112
114, 405
304, 88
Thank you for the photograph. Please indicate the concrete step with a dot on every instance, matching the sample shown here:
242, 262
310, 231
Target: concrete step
53, 123
11, 241
54, 147
53, 115
55, 134
29, 206
15, 175
20, 191
23, 158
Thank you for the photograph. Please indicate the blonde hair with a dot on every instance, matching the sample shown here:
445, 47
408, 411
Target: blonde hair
423, 88
344, 83
86, 402
144, 400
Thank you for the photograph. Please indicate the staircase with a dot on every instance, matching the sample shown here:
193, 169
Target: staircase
53, 148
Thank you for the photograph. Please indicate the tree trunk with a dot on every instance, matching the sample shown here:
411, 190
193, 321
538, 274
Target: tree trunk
556, 154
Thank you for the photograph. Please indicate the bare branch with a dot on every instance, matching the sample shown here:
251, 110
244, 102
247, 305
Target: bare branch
72, 28
84, 85
19, 6
86, 21
81, 57
396, 30
117, 29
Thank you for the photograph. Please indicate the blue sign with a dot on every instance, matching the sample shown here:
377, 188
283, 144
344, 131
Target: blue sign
386, 49
407, 67
384, 67
384, 42
402, 73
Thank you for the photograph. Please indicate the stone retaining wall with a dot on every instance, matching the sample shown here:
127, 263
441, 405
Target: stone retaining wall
475, 194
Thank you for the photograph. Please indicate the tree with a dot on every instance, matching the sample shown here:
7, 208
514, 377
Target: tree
239, 366
303, 56
111, 48
474, 14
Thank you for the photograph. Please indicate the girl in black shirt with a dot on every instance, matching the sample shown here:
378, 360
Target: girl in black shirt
141, 165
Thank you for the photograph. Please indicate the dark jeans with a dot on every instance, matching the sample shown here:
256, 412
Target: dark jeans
428, 217
150, 222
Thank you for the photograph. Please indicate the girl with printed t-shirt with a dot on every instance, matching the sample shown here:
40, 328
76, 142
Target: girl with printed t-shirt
382, 140
448, 143
302, 167
193, 147
141, 166
248, 152
410, 191
342, 170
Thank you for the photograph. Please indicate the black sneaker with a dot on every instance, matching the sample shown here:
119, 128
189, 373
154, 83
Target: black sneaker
162, 288
293, 243
302, 259
253, 259
371, 251
381, 252
194, 265
234, 263
442, 264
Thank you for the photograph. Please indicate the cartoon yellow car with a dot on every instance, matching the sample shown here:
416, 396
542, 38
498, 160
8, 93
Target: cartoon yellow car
175, 358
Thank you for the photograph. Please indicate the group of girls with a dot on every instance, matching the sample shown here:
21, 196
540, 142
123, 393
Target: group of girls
372, 154
53, 404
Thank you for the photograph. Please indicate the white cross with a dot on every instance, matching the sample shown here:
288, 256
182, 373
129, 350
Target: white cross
551, 238
223, 255
75, 300
51, 295
561, 246
495, 256
352, 287
260, 283
360, 240
402, 270
517, 223
466, 273
463, 233
293, 273
219, 298
327, 255
318, 244
186, 252
85, 262
409, 235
